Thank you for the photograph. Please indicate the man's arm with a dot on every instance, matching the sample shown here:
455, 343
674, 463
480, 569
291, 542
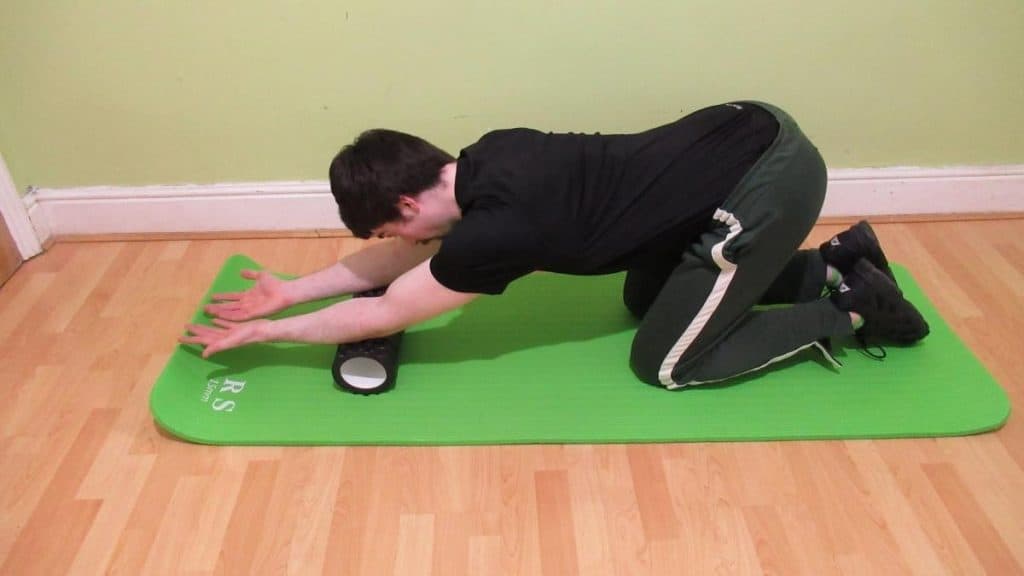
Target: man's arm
376, 265
412, 298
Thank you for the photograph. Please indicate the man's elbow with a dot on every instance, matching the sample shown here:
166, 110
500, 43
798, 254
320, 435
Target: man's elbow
387, 319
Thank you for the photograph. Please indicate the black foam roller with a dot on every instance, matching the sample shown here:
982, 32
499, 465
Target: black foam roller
369, 366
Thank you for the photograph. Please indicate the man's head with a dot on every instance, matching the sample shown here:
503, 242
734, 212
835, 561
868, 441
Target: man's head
377, 179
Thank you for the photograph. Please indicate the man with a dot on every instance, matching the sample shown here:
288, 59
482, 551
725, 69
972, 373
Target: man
706, 215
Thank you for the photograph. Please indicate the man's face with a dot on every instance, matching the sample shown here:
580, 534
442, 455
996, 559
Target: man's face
415, 229
420, 221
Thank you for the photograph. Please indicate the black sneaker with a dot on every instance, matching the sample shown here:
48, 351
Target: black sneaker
888, 316
859, 241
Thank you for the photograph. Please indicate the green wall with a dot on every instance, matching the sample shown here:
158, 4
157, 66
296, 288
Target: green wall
143, 92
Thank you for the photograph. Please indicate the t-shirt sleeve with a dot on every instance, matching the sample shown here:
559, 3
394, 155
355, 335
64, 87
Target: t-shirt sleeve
485, 252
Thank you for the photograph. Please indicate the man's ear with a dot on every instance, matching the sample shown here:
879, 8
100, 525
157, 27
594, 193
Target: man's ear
408, 206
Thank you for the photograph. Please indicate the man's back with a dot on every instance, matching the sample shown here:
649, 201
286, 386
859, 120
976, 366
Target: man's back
591, 204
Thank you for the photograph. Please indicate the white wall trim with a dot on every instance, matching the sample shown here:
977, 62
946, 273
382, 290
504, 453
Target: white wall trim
14, 212
308, 205
904, 191
226, 207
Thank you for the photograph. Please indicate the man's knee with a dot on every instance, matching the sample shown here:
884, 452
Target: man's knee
636, 305
642, 287
645, 363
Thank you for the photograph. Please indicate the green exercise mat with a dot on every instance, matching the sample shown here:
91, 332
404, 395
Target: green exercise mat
548, 362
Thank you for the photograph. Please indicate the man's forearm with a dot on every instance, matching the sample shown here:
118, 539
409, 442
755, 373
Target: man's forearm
348, 321
378, 264
413, 297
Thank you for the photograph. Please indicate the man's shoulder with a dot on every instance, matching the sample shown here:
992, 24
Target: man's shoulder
493, 232
497, 170
507, 136
486, 250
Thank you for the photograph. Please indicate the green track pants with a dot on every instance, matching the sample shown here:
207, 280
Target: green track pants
699, 318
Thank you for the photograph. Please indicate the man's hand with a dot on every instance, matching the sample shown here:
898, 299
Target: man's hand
267, 296
225, 335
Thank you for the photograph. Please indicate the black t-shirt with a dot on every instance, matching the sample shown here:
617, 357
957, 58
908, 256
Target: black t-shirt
593, 204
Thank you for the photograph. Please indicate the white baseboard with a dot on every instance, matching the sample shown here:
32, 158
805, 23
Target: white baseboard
925, 191
288, 206
249, 206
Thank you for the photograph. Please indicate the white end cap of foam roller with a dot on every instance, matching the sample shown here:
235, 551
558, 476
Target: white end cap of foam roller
363, 373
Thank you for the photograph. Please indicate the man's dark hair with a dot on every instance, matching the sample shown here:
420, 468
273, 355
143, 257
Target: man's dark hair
369, 175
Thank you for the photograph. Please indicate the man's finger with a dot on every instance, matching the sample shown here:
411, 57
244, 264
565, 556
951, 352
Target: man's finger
229, 315
249, 274
224, 323
214, 348
226, 296
221, 308
202, 330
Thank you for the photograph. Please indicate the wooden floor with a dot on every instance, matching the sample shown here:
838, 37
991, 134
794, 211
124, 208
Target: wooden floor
89, 485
